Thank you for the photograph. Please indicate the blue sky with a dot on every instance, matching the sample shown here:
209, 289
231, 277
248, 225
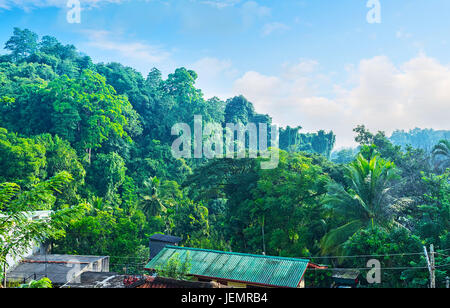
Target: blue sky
314, 63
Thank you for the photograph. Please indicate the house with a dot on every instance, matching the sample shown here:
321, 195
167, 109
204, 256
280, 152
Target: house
60, 269
345, 278
159, 241
236, 269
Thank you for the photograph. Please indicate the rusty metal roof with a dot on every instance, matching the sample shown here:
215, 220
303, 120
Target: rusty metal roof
238, 267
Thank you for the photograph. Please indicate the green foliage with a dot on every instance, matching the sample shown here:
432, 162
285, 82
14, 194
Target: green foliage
190, 221
106, 175
441, 154
239, 110
43, 283
22, 44
76, 131
86, 111
433, 217
396, 243
151, 203
151, 158
60, 156
343, 156
285, 204
114, 233
281, 202
18, 229
22, 160
320, 142
176, 268
365, 203
379, 142
424, 139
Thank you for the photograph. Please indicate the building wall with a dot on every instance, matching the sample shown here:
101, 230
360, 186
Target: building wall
240, 285
302, 284
102, 265
35, 249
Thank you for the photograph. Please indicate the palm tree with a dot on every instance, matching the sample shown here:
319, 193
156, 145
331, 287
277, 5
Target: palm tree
150, 201
151, 205
441, 154
364, 204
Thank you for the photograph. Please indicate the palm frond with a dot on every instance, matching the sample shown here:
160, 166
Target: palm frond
334, 239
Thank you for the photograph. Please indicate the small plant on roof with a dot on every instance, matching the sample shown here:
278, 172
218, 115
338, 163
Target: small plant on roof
176, 268
43, 283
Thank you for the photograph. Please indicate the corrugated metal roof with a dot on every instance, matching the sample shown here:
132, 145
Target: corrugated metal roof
255, 269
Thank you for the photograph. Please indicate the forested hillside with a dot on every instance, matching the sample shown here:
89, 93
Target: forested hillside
419, 138
109, 127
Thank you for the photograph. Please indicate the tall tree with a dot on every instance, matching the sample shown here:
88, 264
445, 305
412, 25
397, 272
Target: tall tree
17, 231
284, 215
22, 160
106, 174
22, 44
150, 202
87, 111
441, 154
364, 204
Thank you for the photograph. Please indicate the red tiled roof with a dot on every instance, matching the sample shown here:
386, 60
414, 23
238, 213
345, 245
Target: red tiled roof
316, 266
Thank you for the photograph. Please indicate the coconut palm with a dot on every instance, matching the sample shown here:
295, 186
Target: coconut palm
441, 154
364, 204
150, 202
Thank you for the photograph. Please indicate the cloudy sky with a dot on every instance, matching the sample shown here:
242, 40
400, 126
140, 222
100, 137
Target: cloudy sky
315, 63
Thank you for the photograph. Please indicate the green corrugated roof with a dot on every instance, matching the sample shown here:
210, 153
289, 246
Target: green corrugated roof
256, 269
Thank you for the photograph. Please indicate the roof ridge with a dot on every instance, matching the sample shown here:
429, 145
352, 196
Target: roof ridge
238, 253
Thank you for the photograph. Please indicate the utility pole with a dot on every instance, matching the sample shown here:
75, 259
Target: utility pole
431, 265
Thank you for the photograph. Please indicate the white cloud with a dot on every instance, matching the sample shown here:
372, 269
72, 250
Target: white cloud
248, 8
274, 27
386, 97
220, 4
214, 76
261, 88
401, 34
137, 54
210, 67
252, 7
33, 4
252, 12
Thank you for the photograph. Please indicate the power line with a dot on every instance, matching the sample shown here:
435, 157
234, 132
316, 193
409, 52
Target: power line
382, 268
367, 268
375, 255
366, 256
438, 253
